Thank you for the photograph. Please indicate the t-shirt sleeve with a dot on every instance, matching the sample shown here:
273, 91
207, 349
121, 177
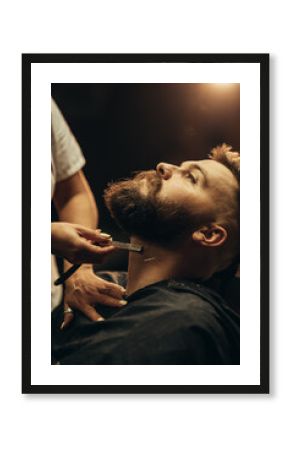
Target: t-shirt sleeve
67, 157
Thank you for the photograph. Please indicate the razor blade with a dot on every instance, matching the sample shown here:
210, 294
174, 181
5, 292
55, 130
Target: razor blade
127, 246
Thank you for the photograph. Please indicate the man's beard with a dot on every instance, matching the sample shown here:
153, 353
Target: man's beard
144, 214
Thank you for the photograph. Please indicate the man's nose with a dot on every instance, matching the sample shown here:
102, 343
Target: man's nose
165, 170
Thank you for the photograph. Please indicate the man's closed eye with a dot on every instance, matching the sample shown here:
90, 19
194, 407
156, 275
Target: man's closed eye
190, 177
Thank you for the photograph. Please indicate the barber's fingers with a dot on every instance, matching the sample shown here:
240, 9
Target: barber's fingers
112, 289
95, 236
86, 309
67, 317
110, 301
90, 312
89, 234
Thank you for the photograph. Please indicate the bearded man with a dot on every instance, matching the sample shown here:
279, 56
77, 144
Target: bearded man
186, 218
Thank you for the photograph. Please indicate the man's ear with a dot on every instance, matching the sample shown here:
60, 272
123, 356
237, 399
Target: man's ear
210, 236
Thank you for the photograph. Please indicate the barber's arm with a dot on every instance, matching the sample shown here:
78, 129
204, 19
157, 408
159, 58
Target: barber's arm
75, 204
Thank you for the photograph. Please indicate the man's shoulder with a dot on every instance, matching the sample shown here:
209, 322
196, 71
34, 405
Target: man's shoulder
184, 318
180, 293
186, 301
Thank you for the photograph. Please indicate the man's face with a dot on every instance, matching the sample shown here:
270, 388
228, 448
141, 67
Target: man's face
202, 186
172, 199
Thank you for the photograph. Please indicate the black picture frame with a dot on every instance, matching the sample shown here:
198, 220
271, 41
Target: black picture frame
27, 61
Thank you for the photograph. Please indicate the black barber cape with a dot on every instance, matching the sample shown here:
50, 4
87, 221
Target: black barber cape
170, 322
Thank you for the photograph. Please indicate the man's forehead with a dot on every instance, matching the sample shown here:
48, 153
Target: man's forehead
202, 162
212, 168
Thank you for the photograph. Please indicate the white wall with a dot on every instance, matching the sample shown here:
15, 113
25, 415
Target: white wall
142, 421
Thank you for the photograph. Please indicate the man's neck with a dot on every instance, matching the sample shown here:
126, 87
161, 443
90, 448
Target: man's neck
156, 263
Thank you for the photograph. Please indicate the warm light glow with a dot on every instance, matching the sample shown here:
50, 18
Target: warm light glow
223, 85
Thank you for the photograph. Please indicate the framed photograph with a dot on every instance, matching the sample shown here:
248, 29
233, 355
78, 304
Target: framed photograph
145, 223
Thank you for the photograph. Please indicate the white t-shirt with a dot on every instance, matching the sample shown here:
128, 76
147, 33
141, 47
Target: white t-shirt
66, 160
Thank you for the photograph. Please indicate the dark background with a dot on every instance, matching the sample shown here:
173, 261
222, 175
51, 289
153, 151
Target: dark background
122, 128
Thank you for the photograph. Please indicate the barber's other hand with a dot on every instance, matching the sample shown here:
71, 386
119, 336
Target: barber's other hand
84, 289
78, 244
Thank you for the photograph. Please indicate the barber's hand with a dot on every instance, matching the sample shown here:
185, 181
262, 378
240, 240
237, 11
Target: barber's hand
78, 244
84, 289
